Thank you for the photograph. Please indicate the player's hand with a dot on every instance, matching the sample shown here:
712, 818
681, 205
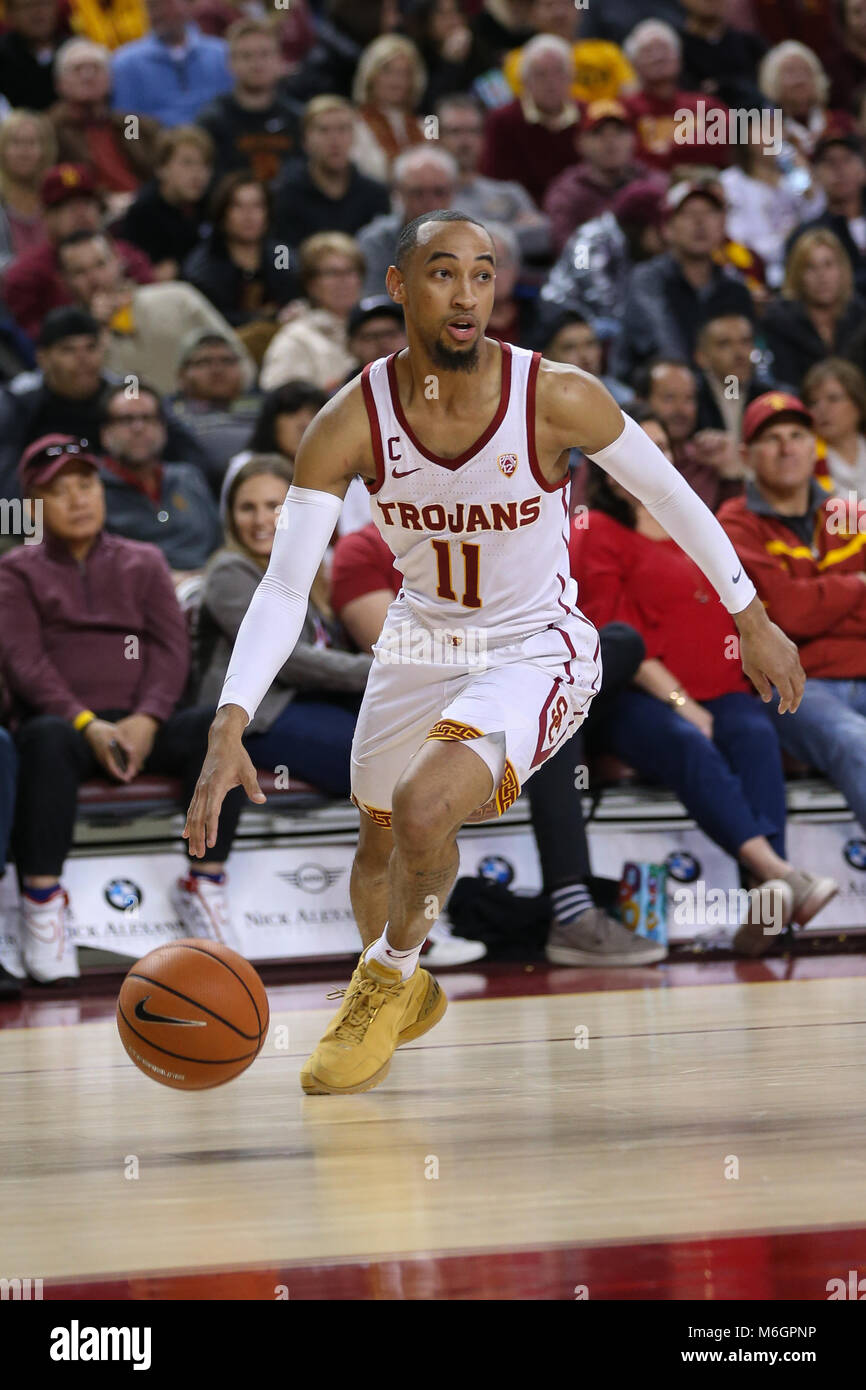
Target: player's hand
226, 765
770, 658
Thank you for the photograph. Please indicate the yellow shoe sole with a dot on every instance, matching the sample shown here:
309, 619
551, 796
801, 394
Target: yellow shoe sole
431, 1011
311, 1084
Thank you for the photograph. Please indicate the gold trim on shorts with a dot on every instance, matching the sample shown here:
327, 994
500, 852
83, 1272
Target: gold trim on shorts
377, 816
452, 731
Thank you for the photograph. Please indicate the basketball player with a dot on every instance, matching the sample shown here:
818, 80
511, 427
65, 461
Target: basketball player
485, 665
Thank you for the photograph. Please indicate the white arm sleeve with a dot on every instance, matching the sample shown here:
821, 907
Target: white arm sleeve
641, 467
272, 624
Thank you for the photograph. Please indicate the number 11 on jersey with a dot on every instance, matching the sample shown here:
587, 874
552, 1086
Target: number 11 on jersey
444, 587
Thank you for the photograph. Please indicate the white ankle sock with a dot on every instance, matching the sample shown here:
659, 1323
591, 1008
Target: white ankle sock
385, 954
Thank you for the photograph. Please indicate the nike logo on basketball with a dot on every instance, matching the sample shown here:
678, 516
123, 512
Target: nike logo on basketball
147, 1017
395, 474
736, 576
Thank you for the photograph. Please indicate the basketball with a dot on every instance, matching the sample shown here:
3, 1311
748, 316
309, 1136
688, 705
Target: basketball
192, 1014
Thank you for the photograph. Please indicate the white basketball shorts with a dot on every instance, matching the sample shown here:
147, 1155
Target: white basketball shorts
516, 703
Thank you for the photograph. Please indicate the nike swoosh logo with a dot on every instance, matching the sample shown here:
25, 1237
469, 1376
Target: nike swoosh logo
395, 474
147, 1017
736, 576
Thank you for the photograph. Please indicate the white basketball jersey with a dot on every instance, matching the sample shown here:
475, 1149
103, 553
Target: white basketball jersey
482, 539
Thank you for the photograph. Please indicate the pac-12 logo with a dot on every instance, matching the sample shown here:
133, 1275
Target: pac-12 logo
507, 463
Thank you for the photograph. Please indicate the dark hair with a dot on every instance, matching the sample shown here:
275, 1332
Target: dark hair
642, 376
408, 238
120, 389
642, 413
67, 322
417, 24
601, 497
709, 319
272, 465
78, 238
463, 101
553, 324
283, 400
849, 377
222, 199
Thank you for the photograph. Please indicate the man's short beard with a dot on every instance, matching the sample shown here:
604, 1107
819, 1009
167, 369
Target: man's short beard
454, 361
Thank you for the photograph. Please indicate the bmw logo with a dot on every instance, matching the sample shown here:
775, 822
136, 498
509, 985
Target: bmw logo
495, 869
123, 894
312, 878
855, 853
683, 867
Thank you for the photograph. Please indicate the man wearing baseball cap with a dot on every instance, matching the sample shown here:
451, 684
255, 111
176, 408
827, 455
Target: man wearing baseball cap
839, 166
806, 553
672, 294
71, 203
375, 328
604, 143
67, 395
84, 705
211, 399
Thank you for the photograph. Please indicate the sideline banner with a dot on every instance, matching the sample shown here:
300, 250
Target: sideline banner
292, 901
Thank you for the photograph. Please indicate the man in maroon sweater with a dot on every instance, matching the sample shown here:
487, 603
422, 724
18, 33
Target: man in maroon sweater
664, 139
95, 653
606, 164
531, 140
72, 203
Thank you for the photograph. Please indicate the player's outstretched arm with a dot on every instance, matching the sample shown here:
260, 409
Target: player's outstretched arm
581, 413
334, 449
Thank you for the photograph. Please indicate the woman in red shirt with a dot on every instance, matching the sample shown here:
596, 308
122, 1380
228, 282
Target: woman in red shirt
690, 721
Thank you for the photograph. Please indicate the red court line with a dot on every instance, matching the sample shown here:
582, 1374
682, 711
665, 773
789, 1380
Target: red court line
94, 999
792, 1265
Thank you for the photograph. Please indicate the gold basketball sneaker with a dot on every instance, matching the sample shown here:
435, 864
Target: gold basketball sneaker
380, 1012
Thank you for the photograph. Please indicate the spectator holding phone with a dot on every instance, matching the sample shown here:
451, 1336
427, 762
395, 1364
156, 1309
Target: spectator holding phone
95, 652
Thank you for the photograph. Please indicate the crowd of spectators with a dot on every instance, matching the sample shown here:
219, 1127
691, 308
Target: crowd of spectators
199, 200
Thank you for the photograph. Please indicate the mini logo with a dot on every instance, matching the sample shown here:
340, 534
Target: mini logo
855, 853
311, 878
123, 894
735, 577
405, 474
495, 869
146, 1016
507, 463
683, 867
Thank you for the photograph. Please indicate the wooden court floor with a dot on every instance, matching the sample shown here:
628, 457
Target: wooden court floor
640, 1134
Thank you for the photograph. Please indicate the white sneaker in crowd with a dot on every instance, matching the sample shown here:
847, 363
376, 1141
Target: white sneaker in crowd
442, 947
812, 892
48, 952
202, 906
